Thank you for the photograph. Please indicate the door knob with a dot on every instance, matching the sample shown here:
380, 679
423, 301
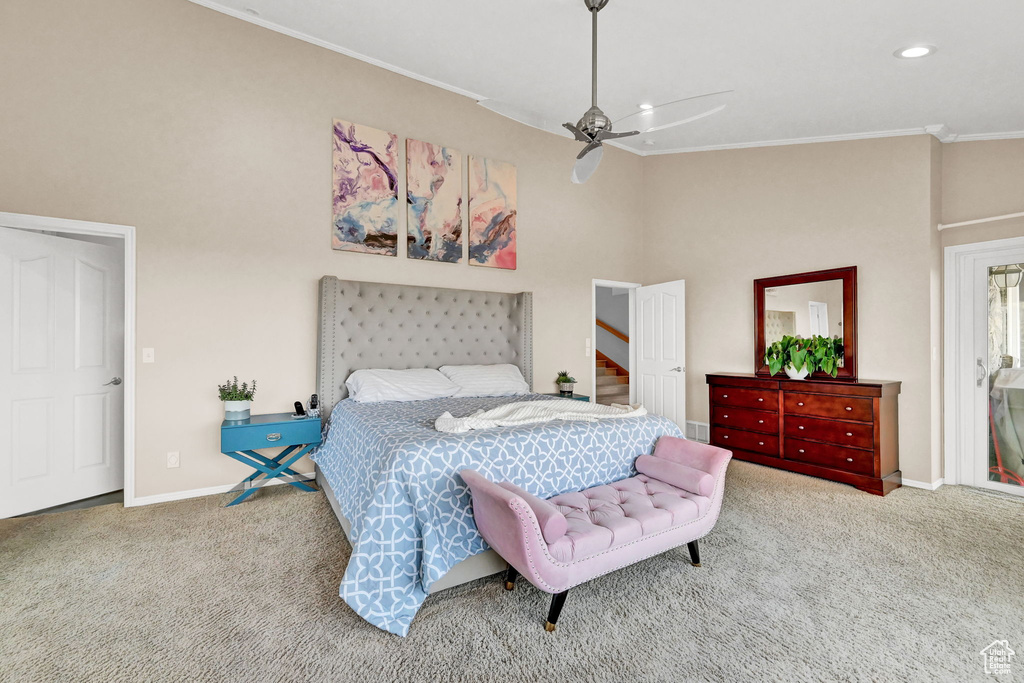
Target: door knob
982, 372
677, 369
116, 382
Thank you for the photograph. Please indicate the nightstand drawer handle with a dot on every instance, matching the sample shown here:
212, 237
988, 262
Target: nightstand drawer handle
274, 436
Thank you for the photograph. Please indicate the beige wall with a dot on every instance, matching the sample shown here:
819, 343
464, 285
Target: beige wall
721, 219
213, 138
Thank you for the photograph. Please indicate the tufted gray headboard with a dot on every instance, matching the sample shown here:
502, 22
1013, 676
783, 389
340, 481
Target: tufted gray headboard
378, 325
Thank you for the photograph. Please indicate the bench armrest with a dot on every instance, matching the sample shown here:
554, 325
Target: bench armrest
552, 522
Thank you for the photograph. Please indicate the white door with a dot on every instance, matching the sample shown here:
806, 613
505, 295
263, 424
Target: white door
661, 350
61, 348
818, 312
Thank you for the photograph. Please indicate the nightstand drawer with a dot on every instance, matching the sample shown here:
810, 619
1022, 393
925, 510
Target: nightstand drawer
827, 455
741, 418
245, 437
746, 441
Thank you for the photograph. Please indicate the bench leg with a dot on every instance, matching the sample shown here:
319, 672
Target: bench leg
510, 578
557, 600
694, 553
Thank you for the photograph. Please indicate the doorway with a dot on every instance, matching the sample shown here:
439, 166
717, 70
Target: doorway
66, 362
984, 380
640, 342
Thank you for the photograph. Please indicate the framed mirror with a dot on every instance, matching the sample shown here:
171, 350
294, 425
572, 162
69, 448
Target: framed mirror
823, 302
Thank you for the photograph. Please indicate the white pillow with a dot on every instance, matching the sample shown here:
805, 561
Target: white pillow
418, 384
486, 380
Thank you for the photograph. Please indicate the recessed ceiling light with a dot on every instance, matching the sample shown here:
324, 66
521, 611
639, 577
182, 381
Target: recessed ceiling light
646, 107
252, 11
914, 51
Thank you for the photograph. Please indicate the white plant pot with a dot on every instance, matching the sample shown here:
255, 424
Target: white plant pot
566, 388
236, 410
794, 374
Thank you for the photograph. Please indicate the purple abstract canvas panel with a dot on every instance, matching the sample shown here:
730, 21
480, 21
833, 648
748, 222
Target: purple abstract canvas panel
434, 176
366, 208
492, 213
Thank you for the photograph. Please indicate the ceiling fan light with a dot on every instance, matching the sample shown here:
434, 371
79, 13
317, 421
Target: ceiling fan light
646, 107
585, 167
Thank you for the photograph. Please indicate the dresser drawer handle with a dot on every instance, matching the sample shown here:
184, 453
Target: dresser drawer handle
800, 403
274, 436
760, 443
801, 450
725, 436
849, 408
760, 400
725, 395
800, 427
849, 460
849, 433
760, 422
725, 417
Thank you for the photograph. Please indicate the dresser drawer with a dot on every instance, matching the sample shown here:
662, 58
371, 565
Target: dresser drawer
746, 441
841, 433
836, 407
827, 455
253, 436
760, 399
742, 418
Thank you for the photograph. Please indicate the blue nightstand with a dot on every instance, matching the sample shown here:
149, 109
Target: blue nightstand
239, 439
574, 397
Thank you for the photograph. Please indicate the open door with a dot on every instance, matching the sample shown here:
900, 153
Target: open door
61, 363
661, 350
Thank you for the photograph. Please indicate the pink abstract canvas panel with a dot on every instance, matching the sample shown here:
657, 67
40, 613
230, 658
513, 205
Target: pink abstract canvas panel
434, 195
366, 208
492, 213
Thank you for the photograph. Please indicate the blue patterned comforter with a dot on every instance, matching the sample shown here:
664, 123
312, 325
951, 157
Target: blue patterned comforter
395, 480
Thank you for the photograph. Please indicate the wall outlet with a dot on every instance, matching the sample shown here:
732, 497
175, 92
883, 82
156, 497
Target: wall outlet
148, 355
174, 459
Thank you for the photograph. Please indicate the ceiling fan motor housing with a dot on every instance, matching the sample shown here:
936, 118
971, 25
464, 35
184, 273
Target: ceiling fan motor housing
597, 5
594, 121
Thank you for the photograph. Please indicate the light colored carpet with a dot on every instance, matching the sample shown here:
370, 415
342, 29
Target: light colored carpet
802, 580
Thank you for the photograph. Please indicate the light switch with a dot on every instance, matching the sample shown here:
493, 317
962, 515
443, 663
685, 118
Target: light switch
149, 355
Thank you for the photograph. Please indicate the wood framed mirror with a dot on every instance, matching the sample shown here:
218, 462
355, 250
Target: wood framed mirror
805, 304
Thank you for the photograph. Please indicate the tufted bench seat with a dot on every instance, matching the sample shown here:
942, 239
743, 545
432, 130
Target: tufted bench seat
574, 537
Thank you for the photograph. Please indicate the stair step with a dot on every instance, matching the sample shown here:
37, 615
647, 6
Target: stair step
614, 372
602, 363
611, 379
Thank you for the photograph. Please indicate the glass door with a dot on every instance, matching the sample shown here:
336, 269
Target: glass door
1000, 373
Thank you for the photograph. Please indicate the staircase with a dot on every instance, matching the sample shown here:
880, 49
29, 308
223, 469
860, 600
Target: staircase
612, 381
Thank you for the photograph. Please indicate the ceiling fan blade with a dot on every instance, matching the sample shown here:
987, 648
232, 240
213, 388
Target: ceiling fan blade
676, 113
608, 135
530, 118
587, 162
577, 133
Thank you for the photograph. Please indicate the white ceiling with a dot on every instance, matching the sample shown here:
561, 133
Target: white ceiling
803, 70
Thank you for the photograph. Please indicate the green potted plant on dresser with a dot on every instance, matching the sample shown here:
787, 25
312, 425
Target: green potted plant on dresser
237, 398
800, 357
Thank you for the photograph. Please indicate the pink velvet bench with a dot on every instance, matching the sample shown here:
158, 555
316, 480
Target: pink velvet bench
574, 537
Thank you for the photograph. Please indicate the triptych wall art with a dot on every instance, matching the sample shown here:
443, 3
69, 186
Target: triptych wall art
367, 216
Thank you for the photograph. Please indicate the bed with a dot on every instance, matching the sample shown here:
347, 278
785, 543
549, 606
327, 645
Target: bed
391, 478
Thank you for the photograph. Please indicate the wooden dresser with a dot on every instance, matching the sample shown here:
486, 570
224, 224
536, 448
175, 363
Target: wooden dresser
839, 430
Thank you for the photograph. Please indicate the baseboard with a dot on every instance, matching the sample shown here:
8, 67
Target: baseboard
197, 493
923, 484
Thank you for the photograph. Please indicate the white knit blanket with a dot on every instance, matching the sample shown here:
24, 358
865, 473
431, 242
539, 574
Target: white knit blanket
530, 412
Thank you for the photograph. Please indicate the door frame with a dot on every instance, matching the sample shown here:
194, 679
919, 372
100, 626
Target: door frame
631, 286
127, 234
959, 320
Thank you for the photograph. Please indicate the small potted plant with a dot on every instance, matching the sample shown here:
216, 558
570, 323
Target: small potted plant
566, 383
800, 357
237, 398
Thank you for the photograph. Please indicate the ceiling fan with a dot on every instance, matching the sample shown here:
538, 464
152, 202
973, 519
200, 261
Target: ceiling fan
595, 128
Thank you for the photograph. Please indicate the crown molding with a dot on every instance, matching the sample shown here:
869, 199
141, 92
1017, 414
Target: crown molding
245, 16
974, 137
